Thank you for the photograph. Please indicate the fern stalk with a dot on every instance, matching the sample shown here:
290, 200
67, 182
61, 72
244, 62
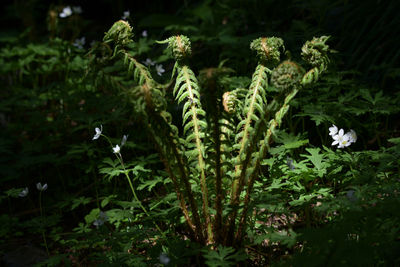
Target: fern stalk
195, 228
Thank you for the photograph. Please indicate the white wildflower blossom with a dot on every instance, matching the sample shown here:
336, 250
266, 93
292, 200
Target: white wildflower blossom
40, 187
160, 70
97, 223
149, 62
66, 12
24, 192
341, 139
144, 33
116, 149
101, 219
333, 130
98, 132
80, 42
126, 15
352, 136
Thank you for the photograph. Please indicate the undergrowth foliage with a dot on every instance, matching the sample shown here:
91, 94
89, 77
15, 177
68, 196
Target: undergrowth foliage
214, 157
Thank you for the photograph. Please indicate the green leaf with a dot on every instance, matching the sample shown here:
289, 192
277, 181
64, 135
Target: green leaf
149, 184
92, 216
290, 141
318, 160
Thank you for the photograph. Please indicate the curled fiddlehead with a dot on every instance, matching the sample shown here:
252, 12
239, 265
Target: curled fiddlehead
229, 102
315, 53
120, 33
268, 50
180, 47
286, 76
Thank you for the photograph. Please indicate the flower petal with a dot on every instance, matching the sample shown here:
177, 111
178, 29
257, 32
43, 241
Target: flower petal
116, 149
333, 130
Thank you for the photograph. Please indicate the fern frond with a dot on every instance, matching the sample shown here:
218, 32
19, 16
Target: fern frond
253, 109
187, 90
264, 148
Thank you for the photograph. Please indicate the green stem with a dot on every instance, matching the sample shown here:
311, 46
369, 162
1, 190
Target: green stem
119, 156
43, 232
140, 203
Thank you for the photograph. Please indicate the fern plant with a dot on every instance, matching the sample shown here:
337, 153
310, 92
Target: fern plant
215, 160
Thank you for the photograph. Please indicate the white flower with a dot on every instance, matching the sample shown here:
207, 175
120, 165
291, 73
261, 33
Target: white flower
126, 15
40, 187
144, 33
98, 132
97, 223
333, 130
352, 136
123, 141
77, 9
66, 12
164, 259
79, 43
116, 149
341, 139
160, 70
149, 62
24, 192
101, 219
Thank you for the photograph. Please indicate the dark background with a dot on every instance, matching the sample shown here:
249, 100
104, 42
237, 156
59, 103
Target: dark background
364, 32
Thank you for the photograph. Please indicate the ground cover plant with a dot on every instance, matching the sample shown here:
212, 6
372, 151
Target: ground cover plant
223, 137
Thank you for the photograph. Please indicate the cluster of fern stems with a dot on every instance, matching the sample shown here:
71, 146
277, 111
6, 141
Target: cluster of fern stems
214, 159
